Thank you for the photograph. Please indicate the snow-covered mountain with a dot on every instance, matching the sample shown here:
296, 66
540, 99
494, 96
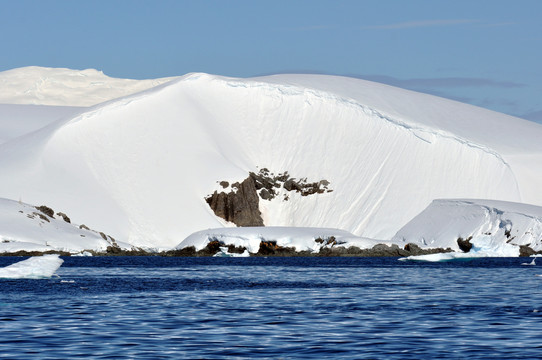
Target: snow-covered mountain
139, 167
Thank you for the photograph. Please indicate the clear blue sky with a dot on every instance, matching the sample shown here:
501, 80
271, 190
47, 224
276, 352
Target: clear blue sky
485, 52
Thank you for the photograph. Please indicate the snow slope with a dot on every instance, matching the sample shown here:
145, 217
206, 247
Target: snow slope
139, 167
487, 221
23, 227
18, 120
66, 87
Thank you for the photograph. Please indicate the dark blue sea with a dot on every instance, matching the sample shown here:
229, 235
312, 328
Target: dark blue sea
214, 308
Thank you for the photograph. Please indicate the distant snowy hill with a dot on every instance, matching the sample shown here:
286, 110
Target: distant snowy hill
139, 167
66, 87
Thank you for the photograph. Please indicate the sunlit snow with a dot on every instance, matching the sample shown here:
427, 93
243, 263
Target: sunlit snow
138, 167
500, 222
37, 267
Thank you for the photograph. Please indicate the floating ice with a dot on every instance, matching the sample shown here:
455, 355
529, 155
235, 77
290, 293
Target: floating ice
36, 267
441, 257
225, 253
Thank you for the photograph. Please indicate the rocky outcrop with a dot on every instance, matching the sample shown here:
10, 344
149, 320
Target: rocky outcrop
526, 251
268, 184
464, 244
241, 204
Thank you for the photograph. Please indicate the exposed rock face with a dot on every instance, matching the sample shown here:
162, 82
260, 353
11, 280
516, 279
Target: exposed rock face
525, 251
46, 210
64, 216
464, 245
240, 207
267, 184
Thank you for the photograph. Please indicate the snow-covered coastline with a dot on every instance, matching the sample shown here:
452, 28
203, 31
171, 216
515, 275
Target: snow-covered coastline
139, 165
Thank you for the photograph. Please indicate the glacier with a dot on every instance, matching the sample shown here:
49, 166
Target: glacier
139, 166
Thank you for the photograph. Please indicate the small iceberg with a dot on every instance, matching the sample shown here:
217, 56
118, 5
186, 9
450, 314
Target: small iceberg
451, 256
531, 263
224, 253
36, 267
83, 253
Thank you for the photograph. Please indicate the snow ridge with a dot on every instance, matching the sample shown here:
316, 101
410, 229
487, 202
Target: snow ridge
415, 128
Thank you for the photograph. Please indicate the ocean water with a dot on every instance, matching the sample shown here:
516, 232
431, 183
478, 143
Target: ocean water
213, 308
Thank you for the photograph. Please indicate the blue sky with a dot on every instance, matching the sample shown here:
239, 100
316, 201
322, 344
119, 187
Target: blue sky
484, 52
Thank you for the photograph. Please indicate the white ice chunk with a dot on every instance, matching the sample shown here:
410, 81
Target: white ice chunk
36, 267
225, 253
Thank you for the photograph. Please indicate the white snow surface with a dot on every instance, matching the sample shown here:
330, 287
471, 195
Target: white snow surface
139, 167
303, 239
66, 87
19, 120
498, 226
22, 228
36, 267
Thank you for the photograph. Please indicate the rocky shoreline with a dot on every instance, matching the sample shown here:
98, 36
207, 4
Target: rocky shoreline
270, 248
267, 248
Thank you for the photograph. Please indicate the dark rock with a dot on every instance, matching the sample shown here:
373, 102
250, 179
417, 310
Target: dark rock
64, 216
187, 251
83, 226
262, 181
270, 248
323, 183
267, 248
239, 207
211, 249
103, 236
413, 249
385, 250
464, 245
292, 185
113, 250
526, 251
282, 177
265, 194
353, 250
46, 210
34, 253
232, 249
224, 184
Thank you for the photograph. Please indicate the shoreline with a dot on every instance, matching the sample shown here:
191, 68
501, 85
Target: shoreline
266, 249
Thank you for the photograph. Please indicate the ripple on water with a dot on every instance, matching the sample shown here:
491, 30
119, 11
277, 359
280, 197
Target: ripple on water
273, 308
